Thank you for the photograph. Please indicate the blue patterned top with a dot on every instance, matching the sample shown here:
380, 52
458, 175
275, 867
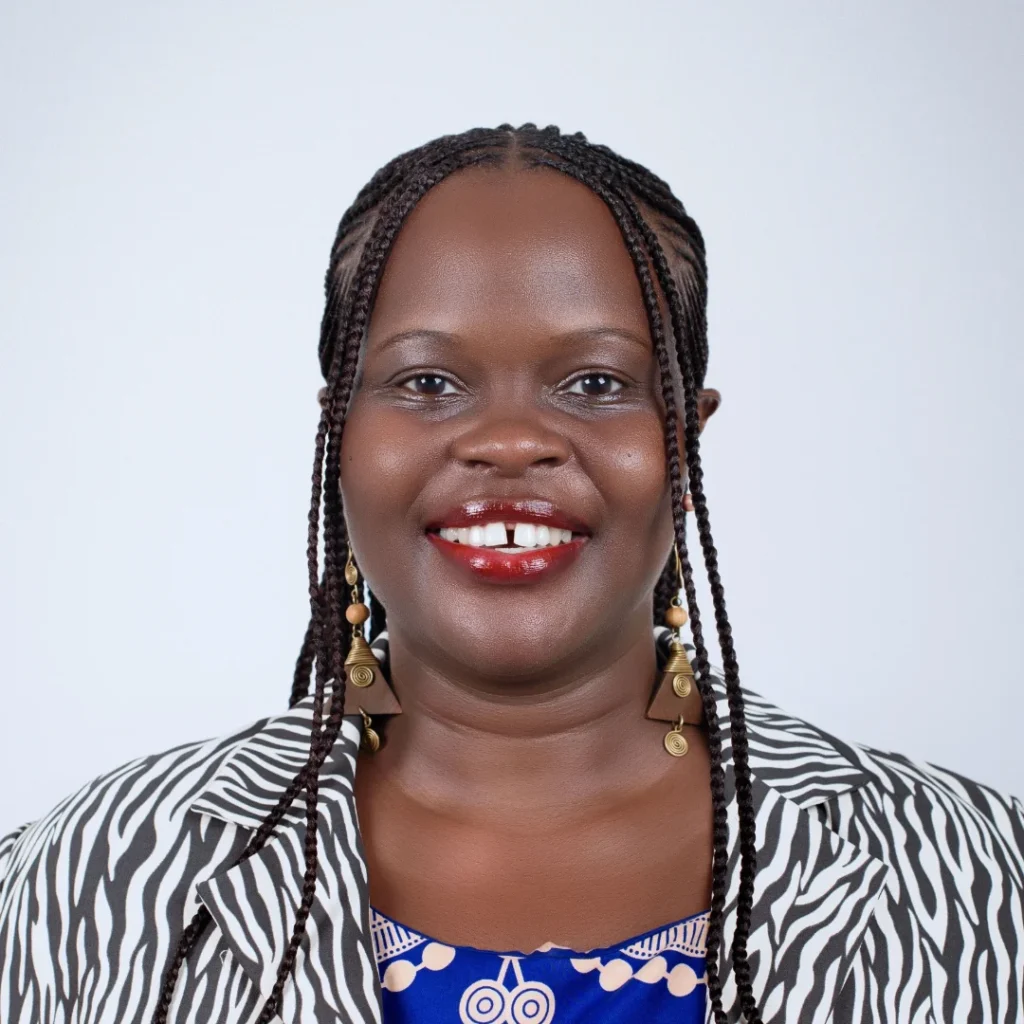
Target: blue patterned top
656, 977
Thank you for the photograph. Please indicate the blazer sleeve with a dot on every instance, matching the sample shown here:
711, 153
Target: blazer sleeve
951, 930
7, 845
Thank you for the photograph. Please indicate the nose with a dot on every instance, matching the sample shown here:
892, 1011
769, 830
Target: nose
510, 445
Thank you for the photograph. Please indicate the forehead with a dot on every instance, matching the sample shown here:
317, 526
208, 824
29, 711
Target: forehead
524, 248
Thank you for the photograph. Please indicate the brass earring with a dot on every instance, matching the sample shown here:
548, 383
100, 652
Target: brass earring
675, 697
371, 739
366, 690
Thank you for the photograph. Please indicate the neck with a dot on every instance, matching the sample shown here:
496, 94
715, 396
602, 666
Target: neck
577, 734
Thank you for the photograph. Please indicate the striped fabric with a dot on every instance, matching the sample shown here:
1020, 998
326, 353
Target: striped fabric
689, 937
887, 891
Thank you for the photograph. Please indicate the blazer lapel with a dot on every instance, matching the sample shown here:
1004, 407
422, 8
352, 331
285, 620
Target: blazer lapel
814, 895
254, 903
814, 892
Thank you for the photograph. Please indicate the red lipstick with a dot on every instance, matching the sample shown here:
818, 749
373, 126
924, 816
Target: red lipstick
509, 510
494, 565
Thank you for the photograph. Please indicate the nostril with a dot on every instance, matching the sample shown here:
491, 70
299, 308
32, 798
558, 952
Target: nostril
511, 446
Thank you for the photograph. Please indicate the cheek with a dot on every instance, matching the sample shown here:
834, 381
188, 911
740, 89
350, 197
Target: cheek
629, 467
383, 466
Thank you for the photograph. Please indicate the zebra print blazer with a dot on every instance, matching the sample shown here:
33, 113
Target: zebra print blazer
887, 891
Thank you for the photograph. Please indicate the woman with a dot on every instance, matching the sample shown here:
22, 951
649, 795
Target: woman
564, 813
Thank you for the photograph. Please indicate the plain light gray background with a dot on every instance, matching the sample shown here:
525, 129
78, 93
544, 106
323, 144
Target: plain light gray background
171, 181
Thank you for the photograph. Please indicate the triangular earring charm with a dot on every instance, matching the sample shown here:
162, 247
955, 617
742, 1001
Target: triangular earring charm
366, 689
675, 695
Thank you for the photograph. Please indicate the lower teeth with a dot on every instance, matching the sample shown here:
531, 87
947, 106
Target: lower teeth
509, 549
516, 551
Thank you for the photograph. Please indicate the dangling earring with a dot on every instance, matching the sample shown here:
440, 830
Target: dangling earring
371, 739
675, 697
366, 690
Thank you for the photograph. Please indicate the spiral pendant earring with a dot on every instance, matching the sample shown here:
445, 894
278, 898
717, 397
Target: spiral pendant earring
367, 692
675, 698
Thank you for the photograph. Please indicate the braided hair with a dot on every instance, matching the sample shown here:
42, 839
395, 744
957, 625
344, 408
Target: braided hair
659, 234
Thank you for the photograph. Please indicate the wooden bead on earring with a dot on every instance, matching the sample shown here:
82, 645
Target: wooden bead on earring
675, 617
357, 613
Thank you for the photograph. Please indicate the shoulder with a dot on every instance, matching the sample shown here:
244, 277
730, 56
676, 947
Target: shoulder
95, 893
953, 906
882, 795
126, 821
948, 928
955, 847
936, 816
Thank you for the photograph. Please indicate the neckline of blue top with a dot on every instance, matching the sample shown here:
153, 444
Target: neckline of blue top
659, 976
687, 936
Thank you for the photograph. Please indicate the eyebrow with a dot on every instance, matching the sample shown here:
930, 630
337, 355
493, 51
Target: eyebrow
581, 335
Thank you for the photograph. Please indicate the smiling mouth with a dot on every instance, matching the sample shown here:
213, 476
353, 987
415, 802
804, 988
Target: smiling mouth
507, 537
504, 541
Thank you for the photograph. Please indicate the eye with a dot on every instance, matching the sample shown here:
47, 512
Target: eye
595, 385
431, 385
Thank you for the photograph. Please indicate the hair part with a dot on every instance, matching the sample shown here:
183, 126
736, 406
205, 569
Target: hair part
658, 232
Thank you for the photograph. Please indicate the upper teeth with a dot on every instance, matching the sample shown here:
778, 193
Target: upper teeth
495, 535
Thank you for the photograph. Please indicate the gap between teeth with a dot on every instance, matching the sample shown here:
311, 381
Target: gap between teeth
507, 536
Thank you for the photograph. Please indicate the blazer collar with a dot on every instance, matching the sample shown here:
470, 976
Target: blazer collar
254, 903
814, 895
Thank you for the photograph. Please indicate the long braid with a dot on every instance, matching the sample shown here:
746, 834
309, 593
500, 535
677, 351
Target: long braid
692, 328
307, 653
361, 246
691, 343
335, 537
737, 716
689, 324
303, 665
738, 729
665, 589
639, 256
748, 845
321, 739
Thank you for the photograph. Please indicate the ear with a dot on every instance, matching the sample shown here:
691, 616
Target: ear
708, 401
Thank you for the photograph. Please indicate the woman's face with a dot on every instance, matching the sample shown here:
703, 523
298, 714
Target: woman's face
509, 378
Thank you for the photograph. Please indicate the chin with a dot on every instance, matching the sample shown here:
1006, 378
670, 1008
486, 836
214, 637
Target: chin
502, 648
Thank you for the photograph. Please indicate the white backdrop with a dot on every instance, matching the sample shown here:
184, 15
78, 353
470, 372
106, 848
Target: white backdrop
171, 179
